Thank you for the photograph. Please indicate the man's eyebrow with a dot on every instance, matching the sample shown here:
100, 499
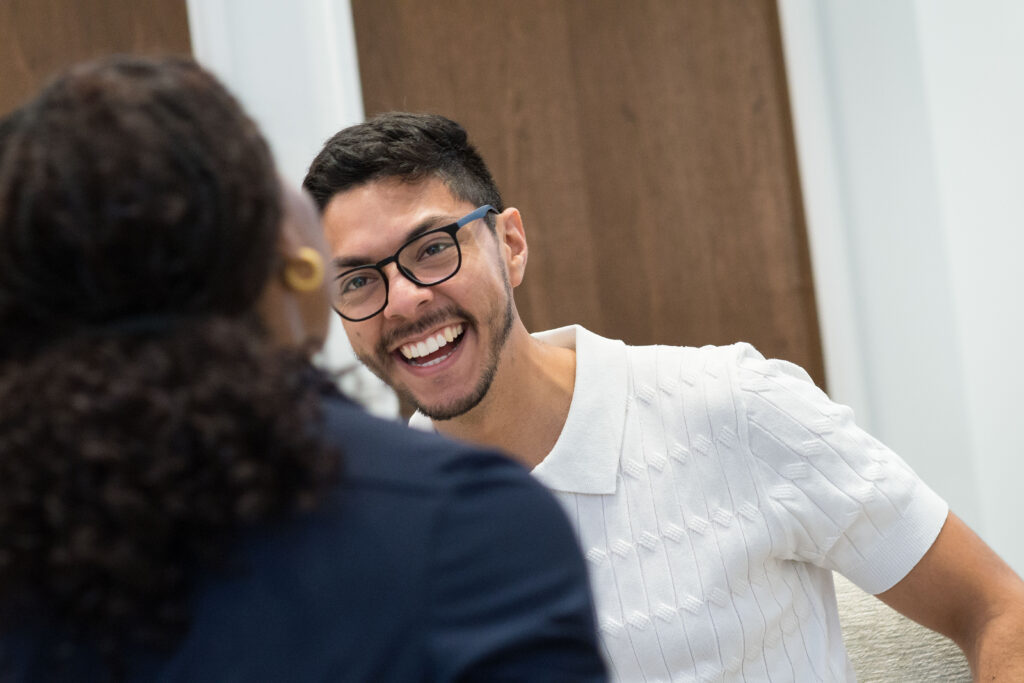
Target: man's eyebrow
426, 225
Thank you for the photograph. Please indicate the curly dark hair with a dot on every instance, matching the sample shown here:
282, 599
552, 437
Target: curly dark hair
406, 146
145, 418
128, 188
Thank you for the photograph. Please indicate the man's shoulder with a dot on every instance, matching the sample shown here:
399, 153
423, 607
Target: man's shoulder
668, 365
612, 351
733, 352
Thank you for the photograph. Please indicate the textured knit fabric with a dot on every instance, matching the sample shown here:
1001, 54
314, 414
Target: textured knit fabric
433, 561
712, 492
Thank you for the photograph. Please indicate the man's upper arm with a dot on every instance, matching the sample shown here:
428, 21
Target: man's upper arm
963, 590
509, 593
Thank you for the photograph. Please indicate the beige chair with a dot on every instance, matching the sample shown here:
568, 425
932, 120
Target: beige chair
886, 646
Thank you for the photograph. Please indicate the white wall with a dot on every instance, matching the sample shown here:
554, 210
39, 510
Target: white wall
293, 66
907, 117
974, 80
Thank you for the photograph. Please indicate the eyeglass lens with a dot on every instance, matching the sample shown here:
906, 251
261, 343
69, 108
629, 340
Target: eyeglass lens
426, 260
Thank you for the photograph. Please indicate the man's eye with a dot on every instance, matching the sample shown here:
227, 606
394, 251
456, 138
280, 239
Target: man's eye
435, 248
356, 282
353, 283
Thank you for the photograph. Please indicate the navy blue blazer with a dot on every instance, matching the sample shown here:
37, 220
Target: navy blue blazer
432, 561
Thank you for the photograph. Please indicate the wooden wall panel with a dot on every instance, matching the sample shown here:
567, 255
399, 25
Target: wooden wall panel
41, 37
648, 144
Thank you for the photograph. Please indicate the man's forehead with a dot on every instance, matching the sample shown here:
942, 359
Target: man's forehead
383, 211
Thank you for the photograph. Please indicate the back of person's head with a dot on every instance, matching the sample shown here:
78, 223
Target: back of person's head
405, 147
122, 197
144, 414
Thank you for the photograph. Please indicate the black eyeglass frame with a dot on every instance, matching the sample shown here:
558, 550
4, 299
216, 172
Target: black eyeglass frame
450, 229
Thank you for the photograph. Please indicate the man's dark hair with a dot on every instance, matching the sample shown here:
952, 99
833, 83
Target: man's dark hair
144, 416
406, 147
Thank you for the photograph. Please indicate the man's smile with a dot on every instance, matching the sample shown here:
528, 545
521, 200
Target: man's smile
433, 348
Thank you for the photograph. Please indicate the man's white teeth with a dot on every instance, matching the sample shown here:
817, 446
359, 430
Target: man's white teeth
432, 344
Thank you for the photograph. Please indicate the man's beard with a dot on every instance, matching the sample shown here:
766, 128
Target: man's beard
500, 328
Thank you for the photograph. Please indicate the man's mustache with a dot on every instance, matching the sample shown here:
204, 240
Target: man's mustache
432, 319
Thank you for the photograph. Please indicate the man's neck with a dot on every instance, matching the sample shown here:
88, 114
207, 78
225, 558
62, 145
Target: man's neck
526, 407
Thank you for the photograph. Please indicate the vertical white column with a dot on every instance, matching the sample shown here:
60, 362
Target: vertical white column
973, 60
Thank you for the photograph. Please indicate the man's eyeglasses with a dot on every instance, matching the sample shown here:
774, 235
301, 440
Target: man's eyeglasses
427, 260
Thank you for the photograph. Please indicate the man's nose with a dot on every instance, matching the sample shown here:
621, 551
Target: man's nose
404, 295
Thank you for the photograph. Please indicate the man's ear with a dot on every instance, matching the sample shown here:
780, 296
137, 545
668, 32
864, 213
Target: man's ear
512, 237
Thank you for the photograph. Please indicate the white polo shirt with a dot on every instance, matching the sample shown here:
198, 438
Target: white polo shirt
713, 492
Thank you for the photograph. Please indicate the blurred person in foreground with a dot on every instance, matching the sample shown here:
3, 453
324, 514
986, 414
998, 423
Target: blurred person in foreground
713, 491
182, 496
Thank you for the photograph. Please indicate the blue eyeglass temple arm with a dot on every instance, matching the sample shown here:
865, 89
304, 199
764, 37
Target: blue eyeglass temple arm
478, 213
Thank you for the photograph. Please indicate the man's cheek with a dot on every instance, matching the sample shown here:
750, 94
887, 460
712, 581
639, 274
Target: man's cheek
356, 337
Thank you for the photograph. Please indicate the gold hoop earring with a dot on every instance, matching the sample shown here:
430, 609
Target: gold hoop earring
304, 272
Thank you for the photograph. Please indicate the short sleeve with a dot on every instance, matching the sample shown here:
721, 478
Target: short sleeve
841, 499
509, 597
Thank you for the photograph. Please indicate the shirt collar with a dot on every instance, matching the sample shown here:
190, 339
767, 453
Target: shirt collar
585, 459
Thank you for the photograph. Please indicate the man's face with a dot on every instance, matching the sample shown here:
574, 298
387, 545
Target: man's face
468, 316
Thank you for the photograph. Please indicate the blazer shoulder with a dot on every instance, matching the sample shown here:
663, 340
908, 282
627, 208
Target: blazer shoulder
386, 453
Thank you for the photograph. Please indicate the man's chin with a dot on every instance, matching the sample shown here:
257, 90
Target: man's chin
439, 412
435, 411
453, 407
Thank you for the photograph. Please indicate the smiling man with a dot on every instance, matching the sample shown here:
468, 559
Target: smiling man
713, 491
445, 361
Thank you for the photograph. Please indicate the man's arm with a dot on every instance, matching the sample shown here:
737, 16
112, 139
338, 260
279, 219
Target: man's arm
966, 592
